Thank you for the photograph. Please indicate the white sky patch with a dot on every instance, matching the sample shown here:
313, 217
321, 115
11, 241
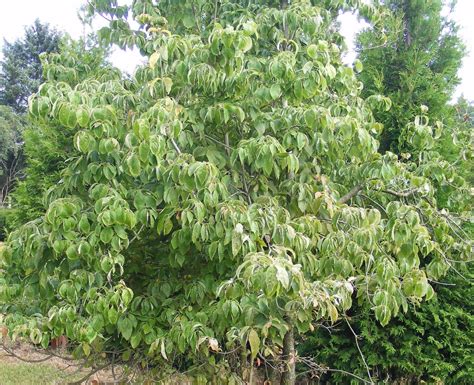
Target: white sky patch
350, 27
62, 14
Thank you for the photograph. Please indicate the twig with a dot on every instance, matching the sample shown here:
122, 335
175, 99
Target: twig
92, 372
356, 337
374, 202
315, 367
13, 354
176, 146
100, 14
226, 145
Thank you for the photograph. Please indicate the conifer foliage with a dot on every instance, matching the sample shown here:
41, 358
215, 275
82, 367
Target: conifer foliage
21, 72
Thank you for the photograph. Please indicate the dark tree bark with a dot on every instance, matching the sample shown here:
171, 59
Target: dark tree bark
289, 375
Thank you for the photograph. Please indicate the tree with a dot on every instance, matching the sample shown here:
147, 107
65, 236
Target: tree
224, 199
432, 343
11, 126
47, 147
20, 76
418, 66
21, 72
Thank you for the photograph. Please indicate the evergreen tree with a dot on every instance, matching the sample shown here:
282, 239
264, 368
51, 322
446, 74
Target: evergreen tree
20, 70
11, 128
418, 66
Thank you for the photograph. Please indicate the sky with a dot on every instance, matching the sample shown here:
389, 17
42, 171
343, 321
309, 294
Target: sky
62, 14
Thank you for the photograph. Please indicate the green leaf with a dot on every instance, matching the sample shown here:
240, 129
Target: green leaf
112, 315
383, 314
133, 164
84, 224
82, 116
282, 276
245, 43
125, 327
168, 83
254, 341
275, 91
167, 226
84, 141
333, 314
135, 340
86, 348
312, 51
154, 57
36, 336
67, 116
106, 234
358, 66
236, 243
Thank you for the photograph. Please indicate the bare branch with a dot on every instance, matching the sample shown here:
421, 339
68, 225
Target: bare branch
319, 368
356, 337
10, 352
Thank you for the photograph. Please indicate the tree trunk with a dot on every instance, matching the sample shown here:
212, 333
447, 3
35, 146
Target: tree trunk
289, 375
406, 23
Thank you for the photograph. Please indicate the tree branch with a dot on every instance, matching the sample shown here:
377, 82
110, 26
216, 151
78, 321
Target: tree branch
356, 337
175, 145
352, 193
401, 194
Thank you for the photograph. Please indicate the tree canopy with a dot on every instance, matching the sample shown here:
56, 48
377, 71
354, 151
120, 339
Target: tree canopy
47, 147
226, 198
416, 64
20, 70
417, 67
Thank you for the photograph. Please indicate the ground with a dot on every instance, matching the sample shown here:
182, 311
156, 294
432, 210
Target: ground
14, 371
54, 371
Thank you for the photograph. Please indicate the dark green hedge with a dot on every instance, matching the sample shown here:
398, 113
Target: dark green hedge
432, 344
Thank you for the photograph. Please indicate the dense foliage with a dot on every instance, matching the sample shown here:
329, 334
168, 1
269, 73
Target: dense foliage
225, 198
417, 67
433, 343
416, 62
20, 76
12, 126
47, 147
20, 69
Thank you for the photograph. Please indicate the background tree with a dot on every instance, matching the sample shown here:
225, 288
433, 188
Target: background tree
11, 128
20, 70
418, 66
20, 76
433, 343
47, 147
225, 199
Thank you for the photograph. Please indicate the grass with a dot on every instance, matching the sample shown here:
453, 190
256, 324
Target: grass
14, 371
26, 374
